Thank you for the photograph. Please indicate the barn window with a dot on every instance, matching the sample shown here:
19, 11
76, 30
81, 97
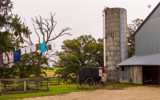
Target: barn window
122, 68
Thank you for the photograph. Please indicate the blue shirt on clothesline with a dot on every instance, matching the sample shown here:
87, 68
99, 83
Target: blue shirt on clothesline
17, 56
43, 47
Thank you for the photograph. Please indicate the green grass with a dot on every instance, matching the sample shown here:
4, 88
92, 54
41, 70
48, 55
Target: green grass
54, 90
58, 89
57, 68
54, 68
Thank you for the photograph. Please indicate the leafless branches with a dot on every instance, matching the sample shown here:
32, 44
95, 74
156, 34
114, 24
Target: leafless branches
45, 27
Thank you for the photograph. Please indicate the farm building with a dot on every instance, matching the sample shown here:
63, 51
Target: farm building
144, 67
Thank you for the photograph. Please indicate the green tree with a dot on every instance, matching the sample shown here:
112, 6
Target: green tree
43, 28
131, 38
11, 32
31, 65
83, 51
11, 27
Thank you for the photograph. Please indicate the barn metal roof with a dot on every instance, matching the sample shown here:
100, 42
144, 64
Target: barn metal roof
145, 60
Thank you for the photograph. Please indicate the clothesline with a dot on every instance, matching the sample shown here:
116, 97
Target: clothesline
16, 55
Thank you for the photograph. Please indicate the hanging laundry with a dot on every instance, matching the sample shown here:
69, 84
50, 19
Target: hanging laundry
23, 51
33, 48
28, 50
43, 47
11, 56
49, 46
1, 60
5, 58
17, 56
38, 47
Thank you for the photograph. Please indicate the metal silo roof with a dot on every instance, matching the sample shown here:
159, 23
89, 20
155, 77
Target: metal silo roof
145, 60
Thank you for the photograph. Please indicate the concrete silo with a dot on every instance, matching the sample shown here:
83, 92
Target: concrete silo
115, 40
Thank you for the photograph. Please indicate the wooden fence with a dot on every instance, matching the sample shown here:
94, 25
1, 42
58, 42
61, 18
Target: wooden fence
23, 85
54, 80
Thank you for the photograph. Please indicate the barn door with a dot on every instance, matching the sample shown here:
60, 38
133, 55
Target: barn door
136, 74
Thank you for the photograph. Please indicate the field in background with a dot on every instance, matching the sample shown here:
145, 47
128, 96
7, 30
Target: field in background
50, 72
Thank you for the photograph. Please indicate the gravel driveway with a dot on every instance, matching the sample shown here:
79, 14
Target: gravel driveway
131, 93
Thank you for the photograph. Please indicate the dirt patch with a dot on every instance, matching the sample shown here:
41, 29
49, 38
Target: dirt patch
131, 93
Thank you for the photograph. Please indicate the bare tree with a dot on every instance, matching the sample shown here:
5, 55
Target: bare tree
44, 29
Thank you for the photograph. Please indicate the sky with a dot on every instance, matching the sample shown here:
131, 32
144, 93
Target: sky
84, 17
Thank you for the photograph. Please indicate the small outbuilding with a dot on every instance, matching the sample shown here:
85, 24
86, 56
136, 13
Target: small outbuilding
144, 67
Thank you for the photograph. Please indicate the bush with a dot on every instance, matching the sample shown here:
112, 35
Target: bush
17, 87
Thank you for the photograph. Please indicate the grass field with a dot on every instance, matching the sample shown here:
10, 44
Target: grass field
50, 72
54, 90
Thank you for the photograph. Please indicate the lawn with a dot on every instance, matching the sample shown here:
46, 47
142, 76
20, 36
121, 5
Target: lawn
54, 90
59, 89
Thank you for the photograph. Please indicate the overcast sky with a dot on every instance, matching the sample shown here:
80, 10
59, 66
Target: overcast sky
84, 17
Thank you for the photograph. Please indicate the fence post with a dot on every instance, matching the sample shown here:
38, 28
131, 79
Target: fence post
50, 81
28, 83
48, 84
9, 85
59, 80
0, 87
4, 85
37, 85
25, 87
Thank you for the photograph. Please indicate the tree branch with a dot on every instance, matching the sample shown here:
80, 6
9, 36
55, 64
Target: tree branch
61, 34
46, 28
36, 30
28, 42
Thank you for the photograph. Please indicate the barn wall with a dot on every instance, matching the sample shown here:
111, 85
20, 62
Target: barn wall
124, 76
136, 74
147, 39
131, 74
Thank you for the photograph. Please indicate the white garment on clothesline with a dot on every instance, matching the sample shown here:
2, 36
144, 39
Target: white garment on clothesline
5, 58
33, 48
28, 50
23, 51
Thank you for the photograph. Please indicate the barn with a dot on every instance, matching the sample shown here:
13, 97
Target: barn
144, 67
